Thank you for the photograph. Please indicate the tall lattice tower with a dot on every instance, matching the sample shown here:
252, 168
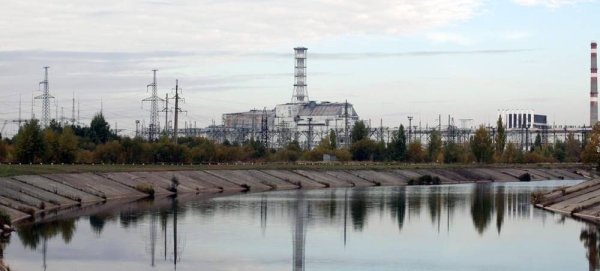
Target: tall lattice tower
300, 90
45, 97
594, 86
153, 128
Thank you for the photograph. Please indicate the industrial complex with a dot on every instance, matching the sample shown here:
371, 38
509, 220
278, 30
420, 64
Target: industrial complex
309, 121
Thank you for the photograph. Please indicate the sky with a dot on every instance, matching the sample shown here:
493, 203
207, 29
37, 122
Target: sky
390, 58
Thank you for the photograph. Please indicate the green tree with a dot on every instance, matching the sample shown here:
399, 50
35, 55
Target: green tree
363, 150
397, 146
67, 145
52, 148
538, 141
332, 140
560, 150
500, 140
481, 145
453, 153
359, 131
100, 130
512, 154
30, 145
434, 148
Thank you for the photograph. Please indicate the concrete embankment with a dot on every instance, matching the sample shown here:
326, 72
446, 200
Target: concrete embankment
56, 194
582, 200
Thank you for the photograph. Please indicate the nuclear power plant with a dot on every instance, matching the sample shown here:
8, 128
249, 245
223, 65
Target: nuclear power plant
302, 120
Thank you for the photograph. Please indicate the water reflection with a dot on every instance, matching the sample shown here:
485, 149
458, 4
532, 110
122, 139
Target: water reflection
162, 220
590, 237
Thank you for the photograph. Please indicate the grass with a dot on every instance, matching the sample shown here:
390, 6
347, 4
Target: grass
7, 170
537, 197
145, 188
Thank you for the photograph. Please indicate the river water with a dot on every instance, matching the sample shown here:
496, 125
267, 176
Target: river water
449, 227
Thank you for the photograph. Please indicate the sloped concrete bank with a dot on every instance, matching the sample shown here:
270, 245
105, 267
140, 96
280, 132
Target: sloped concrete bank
23, 197
581, 201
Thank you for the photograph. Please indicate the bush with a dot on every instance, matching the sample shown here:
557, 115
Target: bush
425, 180
537, 197
4, 218
145, 188
174, 184
526, 177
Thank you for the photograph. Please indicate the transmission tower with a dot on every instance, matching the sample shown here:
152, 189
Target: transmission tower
153, 129
177, 110
45, 97
300, 92
265, 128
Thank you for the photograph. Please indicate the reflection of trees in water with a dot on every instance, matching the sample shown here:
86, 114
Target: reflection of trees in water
434, 202
499, 208
414, 203
31, 235
482, 206
97, 222
4, 241
590, 236
397, 205
358, 208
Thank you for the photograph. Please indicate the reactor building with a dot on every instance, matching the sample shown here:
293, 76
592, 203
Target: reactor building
594, 85
302, 120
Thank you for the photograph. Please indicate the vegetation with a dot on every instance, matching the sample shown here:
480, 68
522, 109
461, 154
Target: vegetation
425, 180
97, 144
145, 188
4, 218
525, 177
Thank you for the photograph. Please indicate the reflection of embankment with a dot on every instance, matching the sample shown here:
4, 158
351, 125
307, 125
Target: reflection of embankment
21, 196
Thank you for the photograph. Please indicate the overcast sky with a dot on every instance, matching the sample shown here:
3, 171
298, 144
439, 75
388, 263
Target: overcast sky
390, 58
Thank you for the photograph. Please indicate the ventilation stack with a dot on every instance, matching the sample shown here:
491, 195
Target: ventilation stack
594, 86
300, 91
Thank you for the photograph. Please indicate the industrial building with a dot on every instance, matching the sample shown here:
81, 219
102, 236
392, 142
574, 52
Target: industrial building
522, 119
303, 120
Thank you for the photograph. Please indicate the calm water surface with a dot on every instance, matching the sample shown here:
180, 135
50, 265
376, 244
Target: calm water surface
459, 227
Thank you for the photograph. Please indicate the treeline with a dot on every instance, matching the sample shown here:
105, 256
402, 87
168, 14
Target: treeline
99, 144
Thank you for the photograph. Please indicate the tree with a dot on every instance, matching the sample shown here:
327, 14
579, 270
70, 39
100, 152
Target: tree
363, 149
359, 131
30, 145
52, 150
481, 145
397, 146
512, 154
573, 148
434, 147
453, 153
332, 140
100, 130
538, 141
590, 153
67, 146
500, 140
415, 152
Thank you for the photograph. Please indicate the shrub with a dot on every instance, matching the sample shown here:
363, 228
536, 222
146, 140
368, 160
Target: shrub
174, 184
145, 188
4, 218
537, 197
425, 180
526, 177
246, 187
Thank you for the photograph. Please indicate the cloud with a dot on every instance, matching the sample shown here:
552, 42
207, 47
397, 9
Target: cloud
114, 25
550, 3
449, 37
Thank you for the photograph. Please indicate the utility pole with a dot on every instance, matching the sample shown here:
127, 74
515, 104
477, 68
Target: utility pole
177, 110
166, 110
410, 118
137, 128
20, 120
154, 99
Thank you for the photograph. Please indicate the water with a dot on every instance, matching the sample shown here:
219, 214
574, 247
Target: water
458, 227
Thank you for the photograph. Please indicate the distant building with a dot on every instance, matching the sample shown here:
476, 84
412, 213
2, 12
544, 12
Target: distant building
522, 119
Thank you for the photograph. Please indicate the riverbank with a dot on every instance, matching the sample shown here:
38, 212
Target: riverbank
38, 196
581, 201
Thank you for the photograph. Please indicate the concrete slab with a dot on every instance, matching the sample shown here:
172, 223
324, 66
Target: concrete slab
271, 180
214, 181
383, 177
350, 177
13, 213
323, 178
42, 195
58, 188
96, 185
240, 178
132, 180
290, 176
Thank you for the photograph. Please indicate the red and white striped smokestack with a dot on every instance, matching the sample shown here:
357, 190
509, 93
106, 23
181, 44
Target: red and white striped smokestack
594, 86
